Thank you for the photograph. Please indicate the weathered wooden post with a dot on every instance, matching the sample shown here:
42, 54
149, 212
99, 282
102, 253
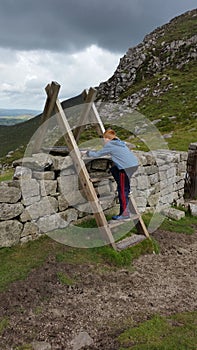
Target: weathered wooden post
191, 175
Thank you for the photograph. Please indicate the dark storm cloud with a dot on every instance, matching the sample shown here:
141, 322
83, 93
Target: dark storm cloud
70, 25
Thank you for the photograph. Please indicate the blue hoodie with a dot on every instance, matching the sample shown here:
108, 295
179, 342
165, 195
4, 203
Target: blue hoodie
120, 154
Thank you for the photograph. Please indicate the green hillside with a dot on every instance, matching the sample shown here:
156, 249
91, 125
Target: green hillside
161, 75
14, 136
17, 136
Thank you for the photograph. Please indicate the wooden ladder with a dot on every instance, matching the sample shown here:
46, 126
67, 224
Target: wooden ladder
136, 218
105, 227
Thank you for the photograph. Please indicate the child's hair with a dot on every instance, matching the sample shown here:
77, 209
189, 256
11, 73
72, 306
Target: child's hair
109, 134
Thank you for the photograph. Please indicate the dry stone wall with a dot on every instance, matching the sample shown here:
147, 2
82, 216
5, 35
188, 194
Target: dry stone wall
45, 193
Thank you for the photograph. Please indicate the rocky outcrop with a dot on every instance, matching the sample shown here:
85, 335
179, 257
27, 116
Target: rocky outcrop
160, 50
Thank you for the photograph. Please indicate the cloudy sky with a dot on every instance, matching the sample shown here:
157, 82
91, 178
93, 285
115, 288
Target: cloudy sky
77, 43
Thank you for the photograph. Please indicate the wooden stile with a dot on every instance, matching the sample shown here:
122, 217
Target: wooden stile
53, 104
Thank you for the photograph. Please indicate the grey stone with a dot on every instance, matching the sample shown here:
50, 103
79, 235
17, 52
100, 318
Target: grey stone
9, 194
48, 187
143, 182
69, 215
60, 163
173, 213
103, 189
30, 200
81, 340
52, 222
43, 175
9, 211
41, 345
62, 202
30, 229
107, 201
46, 206
25, 216
68, 171
10, 233
22, 172
29, 188
68, 186
38, 161
192, 205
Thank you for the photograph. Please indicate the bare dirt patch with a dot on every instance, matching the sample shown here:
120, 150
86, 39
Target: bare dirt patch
102, 301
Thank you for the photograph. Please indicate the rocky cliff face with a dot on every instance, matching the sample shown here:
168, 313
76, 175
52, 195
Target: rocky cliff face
171, 46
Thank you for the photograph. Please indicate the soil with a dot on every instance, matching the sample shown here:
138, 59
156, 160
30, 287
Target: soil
103, 301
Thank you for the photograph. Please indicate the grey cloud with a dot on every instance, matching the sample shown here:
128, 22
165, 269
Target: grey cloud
71, 25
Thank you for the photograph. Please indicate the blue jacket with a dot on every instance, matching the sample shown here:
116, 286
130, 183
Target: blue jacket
120, 154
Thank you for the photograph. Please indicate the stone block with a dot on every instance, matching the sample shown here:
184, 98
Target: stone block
103, 189
38, 161
68, 186
69, 215
141, 202
22, 172
29, 188
30, 229
60, 163
154, 178
151, 169
46, 206
52, 222
173, 213
192, 205
30, 200
69, 171
143, 182
153, 199
62, 203
107, 201
9, 211
43, 175
48, 187
10, 232
9, 194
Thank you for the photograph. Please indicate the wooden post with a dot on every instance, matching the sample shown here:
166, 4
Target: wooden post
84, 176
89, 106
141, 228
52, 91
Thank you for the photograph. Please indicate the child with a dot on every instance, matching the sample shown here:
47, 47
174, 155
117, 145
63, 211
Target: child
124, 165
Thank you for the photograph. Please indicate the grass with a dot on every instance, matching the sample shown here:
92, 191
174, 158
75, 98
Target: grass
186, 225
64, 279
7, 175
162, 333
4, 322
177, 332
25, 347
18, 261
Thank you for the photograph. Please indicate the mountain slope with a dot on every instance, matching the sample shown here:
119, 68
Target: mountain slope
159, 76
18, 135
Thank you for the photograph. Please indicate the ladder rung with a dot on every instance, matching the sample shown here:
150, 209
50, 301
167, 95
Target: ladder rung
114, 223
130, 241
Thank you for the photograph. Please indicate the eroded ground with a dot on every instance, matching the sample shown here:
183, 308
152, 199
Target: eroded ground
102, 301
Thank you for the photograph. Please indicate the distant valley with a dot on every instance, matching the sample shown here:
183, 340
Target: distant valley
14, 116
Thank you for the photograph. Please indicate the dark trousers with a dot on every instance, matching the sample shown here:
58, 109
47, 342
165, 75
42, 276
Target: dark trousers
122, 178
